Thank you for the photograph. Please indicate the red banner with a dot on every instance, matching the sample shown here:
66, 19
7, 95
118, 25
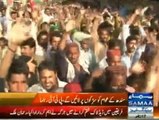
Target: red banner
63, 112
63, 105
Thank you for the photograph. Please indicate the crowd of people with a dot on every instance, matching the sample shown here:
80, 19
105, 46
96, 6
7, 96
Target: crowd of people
70, 48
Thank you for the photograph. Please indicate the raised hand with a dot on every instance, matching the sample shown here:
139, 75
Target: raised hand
32, 66
138, 67
138, 11
82, 11
70, 25
19, 32
97, 73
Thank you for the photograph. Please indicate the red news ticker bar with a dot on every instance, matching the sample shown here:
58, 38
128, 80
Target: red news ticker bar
84, 99
63, 112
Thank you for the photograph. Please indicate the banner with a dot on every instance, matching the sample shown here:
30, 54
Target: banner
78, 105
63, 105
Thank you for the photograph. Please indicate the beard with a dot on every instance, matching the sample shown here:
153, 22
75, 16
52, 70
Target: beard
44, 45
131, 50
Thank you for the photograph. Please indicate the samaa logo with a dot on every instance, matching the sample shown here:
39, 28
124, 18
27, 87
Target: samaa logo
141, 103
140, 99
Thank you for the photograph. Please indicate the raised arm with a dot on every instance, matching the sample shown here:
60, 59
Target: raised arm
18, 33
94, 31
153, 79
63, 42
133, 16
89, 83
7, 60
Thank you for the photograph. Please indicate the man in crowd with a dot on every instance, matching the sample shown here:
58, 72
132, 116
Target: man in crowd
47, 15
87, 58
113, 44
114, 57
55, 39
17, 78
42, 39
127, 57
68, 55
28, 47
49, 81
15, 72
101, 41
68, 66
3, 20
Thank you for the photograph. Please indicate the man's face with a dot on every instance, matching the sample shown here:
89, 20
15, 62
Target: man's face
2, 44
3, 12
26, 15
27, 51
104, 36
85, 44
14, 16
18, 83
47, 12
114, 61
140, 39
43, 42
118, 83
131, 46
73, 55
118, 80
45, 27
48, 80
55, 42
16, 5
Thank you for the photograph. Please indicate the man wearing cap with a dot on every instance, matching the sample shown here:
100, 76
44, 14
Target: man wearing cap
73, 87
116, 79
112, 44
112, 79
114, 60
114, 57
87, 58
